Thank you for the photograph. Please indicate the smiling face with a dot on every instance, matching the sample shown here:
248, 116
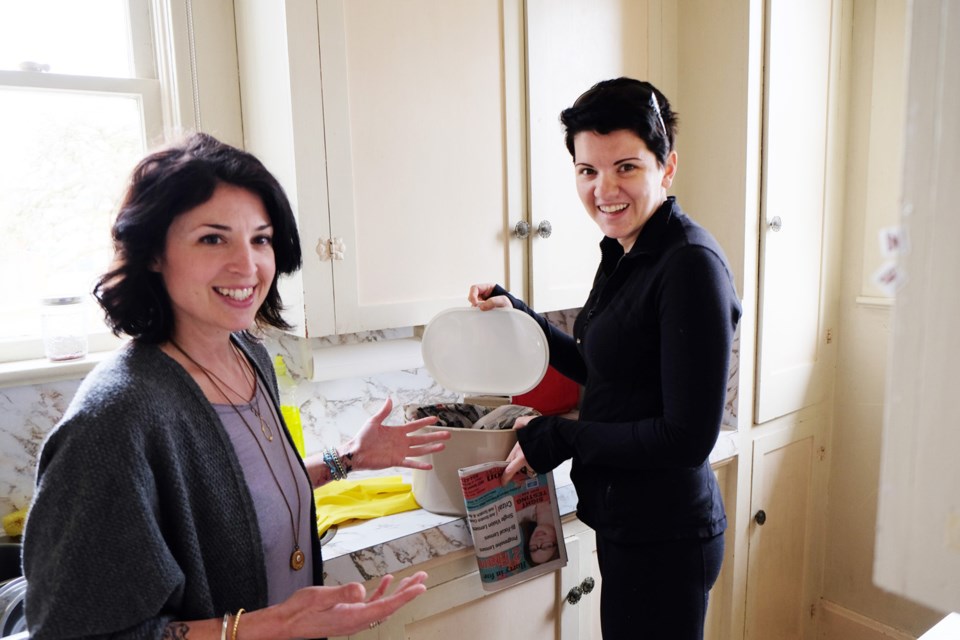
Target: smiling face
620, 181
218, 263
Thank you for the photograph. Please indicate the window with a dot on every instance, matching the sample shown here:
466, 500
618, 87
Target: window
80, 103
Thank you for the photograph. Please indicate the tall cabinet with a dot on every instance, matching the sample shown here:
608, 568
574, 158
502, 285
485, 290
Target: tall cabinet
757, 85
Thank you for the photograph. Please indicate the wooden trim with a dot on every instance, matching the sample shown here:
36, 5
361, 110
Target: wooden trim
839, 623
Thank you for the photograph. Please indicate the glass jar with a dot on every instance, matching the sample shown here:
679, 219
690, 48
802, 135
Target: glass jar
62, 321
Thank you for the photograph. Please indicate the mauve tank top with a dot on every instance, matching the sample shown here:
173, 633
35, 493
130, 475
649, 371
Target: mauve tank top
272, 514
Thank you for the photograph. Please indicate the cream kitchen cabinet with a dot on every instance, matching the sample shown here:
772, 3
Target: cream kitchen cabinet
414, 136
797, 202
782, 587
759, 91
563, 604
387, 123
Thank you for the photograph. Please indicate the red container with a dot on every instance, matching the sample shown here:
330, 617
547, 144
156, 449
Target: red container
555, 394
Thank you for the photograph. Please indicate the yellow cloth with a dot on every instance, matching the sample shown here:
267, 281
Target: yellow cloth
13, 522
342, 500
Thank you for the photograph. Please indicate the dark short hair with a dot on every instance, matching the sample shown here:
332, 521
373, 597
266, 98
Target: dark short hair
624, 103
164, 185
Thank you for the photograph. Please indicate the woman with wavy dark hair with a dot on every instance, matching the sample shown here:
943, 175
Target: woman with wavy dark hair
170, 500
651, 346
164, 185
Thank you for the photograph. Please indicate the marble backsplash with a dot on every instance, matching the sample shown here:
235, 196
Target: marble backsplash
331, 411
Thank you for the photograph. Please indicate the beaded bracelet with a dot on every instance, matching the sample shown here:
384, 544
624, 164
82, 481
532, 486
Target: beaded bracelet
333, 461
236, 623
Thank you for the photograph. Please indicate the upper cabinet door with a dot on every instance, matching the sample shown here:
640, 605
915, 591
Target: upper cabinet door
417, 150
790, 347
571, 45
279, 64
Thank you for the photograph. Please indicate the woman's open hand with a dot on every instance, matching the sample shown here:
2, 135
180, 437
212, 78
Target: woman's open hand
379, 446
320, 612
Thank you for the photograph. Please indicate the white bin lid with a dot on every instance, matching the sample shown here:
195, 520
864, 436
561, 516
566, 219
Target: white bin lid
496, 352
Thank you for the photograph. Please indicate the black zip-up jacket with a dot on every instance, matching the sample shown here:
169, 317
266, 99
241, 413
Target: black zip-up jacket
652, 348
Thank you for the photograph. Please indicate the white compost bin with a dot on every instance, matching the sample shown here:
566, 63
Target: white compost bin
502, 352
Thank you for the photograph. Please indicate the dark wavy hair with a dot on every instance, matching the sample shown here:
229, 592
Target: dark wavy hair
624, 103
164, 185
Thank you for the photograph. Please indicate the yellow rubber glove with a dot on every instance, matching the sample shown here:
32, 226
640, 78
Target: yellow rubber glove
342, 500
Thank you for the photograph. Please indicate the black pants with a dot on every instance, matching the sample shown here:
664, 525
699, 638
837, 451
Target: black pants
658, 590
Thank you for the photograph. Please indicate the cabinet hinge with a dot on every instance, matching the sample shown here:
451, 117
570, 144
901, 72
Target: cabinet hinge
822, 453
813, 610
829, 336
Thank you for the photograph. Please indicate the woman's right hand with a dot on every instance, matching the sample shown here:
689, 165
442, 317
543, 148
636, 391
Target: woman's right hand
320, 612
479, 297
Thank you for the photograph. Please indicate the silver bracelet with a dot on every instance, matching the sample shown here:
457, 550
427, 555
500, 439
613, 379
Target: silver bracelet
226, 623
335, 464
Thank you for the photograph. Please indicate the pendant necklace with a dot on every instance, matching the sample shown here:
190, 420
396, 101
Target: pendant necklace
297, 558
255, 405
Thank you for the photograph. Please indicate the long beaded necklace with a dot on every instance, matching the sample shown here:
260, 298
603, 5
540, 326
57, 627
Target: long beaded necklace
297, 558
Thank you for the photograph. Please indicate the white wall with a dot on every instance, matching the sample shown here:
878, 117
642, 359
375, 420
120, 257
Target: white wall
863, 357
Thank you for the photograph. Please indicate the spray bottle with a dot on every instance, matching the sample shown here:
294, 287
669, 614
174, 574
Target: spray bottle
288, 403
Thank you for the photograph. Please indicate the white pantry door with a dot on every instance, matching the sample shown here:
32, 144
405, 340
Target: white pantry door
790, 347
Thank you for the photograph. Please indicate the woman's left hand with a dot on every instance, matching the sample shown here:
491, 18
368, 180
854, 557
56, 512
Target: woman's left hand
380, 446
516, 461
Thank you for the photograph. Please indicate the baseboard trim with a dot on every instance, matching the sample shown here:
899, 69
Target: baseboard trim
840, 623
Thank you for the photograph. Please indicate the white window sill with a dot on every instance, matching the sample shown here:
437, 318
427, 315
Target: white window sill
23, 373
875, 301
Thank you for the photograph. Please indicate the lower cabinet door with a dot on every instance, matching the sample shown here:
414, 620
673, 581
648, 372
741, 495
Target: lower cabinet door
779, 593
564, 604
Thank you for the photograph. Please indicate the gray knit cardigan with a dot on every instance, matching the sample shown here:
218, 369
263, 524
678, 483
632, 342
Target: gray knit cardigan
141, 513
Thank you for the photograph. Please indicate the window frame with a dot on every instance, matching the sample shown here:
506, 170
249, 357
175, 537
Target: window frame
176, 63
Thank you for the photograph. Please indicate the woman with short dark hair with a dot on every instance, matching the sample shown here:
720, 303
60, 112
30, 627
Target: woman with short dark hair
652, 348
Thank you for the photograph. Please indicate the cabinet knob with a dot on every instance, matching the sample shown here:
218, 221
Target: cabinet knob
577, 592
522, 230
775, 224
545, 229
760, 517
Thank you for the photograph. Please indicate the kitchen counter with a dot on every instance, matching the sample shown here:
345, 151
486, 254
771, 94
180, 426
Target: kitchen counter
369, 549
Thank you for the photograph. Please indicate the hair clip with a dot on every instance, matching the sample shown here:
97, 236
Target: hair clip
656, 108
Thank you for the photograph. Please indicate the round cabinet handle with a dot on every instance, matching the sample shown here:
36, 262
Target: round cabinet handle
522, 230
337, 248
760, 517
545, 229
585, 587
331, 249
775, 224
323, 249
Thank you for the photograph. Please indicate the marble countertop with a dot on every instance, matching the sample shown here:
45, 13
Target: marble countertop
368, 549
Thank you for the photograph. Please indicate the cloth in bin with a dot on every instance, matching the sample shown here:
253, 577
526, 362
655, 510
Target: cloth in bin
344, 500
470, 416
